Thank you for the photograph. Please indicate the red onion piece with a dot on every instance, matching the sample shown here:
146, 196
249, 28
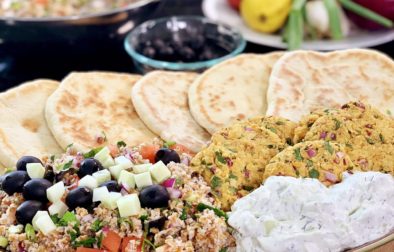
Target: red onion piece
105, 229
323, 135
311, 152
185, 161
340, 154
169, 183
331, 177
174, 193
87, 218
248, 129
333, 136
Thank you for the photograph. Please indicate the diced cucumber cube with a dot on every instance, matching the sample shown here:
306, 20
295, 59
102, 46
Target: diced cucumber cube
110, 201
102, 176
45, 224
115, 170
124, 161
104, 157
160, 172
100, 193
143, 180
35, 218
129, 205
15, 229
126, 178
3, 242
55, 192
58, 208
35, 170
141, 168
88, 181
108, 162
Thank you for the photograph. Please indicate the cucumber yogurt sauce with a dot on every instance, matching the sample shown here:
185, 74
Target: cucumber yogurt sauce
290, 214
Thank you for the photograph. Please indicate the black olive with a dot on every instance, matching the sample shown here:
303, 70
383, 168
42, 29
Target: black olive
154, 196
26, 211
166, 156
79, 197
49, 174
13, 182
88, 167
112, 186
36, 189
157, 223
21, 164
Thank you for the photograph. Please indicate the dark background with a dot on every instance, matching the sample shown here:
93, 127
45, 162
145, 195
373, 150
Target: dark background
15, 70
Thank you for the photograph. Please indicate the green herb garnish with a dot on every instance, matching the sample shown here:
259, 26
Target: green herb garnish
309, 163
215, 182
52, 158
68, 165
273, 130
92, 152
313, 173
30, 233
328, 147
337, 124
69, 146
67, 218
144, 217
184, 214
55, 218
223, 250
381, 137
201, 207
97, 225
87, 243
369, 140
121, 144
297, 154
100, 239
168, 144
232, 176
220, 158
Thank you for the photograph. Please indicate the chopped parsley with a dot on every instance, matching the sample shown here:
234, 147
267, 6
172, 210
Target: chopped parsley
313, 173
69, 146
220, 158
30, 233
201, 207
168, 144
369, 140
337, 124
184, 214
144, 217
273, 130
223, 250
92, 152
381, 137
87, 243
52, 158
328, 147
297, 154
178, 181
389, 112
232, 176
67, 218
67, 165
100, 239
97, 225
121, 144
215, 182
279, 123
349, 145
309, 163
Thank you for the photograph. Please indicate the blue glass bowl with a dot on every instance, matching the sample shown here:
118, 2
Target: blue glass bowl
166, 27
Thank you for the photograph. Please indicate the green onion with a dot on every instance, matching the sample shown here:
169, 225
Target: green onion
201, 207
294, 30
335, 18
366, 13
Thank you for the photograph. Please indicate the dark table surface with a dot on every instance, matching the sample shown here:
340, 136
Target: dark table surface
17, 70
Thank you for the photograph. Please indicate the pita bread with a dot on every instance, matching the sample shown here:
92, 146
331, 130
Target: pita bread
160, 99
303, 81
234, 89
90, 105
23, 130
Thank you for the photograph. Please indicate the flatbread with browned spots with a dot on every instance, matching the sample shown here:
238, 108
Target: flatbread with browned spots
91, 106
304, 81
160, 99
232, 90
23, 129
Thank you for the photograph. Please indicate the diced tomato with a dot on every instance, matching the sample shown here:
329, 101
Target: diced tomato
149, 152
181, 149
43, 2
111, 241
81, 249
126, 241
113, 150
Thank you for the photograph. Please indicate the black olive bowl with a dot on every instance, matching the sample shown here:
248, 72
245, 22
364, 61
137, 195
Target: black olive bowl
71, 36
178, 32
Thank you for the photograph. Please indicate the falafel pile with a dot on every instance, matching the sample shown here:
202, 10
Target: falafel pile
324, 144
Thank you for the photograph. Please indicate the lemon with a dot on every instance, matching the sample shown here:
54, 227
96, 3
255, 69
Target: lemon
265, 15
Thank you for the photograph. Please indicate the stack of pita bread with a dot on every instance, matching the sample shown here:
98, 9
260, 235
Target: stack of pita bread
43, 117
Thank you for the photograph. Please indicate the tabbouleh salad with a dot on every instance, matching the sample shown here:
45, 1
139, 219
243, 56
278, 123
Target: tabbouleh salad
113, 198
